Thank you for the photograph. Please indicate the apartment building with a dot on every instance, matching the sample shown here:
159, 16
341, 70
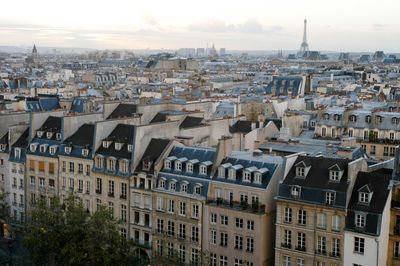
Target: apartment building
366, 236
141, 199
393, 254
76, 163
239, 216
311, 210
41, 168
112, 171
179, 196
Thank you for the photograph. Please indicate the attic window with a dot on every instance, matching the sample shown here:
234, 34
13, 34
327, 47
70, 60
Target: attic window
123, 166
161, 183
146, 165
58, 136
117, 146
368, 119
353, 118
197, 190
167, 164
53, 150
326, 116
334, 175
33, 147
49, 135
2, 147
172, 185
184, 188
17, 152
189, 167
336, 117
257, 178
39, 134
221, 172
246, 176
67, 150
295, 192
203, 169
130, 147
85, 152
300, 171
364, 197
178, 166
395, 120
43, 148
330, 198
111, 164
105, 144
231, 173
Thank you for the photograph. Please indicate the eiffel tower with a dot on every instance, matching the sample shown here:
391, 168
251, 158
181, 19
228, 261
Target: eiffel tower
304, 44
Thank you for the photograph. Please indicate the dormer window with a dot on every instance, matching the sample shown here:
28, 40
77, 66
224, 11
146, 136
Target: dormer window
85, 152
67, 149
2, 147
197, 190
43, 148
178, 166
167, 164
105, 144
329, 198
184, 188
39, 134
111, 164
189, 167
232, 173
146, 165
17, 153
300, 171
203, 169
33, 147
326, 116
99, 162
49, 135
58, 136
53, 150
395, 120
378, 119
257, 178
334, 175
221, 172
123, 166
295, 192
118, 146
364, 197
161, 183
336, 117
368, 119
172, 185
130, 147
360, 220
246, 176
353, 118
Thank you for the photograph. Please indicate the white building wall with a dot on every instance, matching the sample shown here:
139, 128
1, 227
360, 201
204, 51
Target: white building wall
369, 258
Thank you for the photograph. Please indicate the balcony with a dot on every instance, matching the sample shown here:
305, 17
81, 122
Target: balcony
98, 191
110, 194
320, 252
14, 186
14, 203
143, 243
14, 171
21, 187
21, 172
79, 190
301, 248
123, 196
286, 245
334, 254
21, 205
255, 207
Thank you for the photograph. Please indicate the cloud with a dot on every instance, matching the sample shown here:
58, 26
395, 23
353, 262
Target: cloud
148, 18
251, 26
379, 27
211, 26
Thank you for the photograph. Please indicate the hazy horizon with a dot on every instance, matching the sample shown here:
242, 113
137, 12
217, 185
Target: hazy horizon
350, 26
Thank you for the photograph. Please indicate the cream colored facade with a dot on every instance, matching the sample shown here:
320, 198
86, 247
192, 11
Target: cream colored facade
393, 256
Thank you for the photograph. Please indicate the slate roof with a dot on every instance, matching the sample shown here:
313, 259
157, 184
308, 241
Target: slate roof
190, 122
282, 85
244, 126
159, 117
123, 134
52, 124
123, 110
152, 152
23, 140
4, 138
82, 137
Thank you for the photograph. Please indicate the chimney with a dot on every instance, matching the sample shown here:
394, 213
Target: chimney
253, 125
224, 149
396, 168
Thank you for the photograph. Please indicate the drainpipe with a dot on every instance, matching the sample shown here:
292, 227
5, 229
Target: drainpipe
315, 232
377, 252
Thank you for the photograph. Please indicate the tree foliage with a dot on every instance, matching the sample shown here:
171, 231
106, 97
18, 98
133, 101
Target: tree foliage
65, 234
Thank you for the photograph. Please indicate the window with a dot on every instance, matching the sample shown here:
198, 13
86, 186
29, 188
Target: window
223, 261
71, 167
224, 239
195, 211
231, 173
161, 183
123, 190
221, 172
321, 244
336, 223
182, 253
359, 244
172, 185
392, 151
111, 188
238, 262
364, 197
333, 133
246, 176
182, 208
41, 182
123, 213
111, 209
160, 203
160, 246
182, 231
213, 237
300, 171
323, 133
360, 220
203, 169
195, 256
396, 249
250, 225
287, 241
98, 204
184, 188
170, 249
302, 217
195, 234
368, 119
391, 136
160, 226
239, 242
80, 185
243, 197
286, 260
350, 133
334, 175
301, 241
171, 228
98, 185
111, 165
288, 215
295, 192
167, 164
329, 198
213, 259
189, 167
213, 218
336, 247
239, 222
257, 178
171, 205
250, 245
301, 262
197, 190
322, 220
373, 149
178, 166
385, 151
224, 220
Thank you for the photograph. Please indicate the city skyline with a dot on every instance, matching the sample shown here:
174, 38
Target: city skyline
255, 26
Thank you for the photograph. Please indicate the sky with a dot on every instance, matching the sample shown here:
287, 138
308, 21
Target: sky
334, 25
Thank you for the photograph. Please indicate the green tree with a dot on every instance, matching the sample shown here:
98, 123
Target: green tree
65, 234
